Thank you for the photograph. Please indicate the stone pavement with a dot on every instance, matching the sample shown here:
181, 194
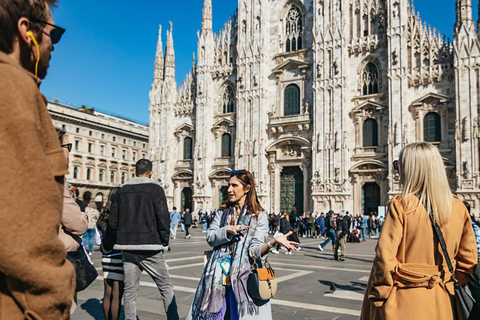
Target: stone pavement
303, 290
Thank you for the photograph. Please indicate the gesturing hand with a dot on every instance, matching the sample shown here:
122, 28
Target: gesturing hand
236, 229
282, 240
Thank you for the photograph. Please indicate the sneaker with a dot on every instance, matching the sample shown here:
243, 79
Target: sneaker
275, 251
341, 259
320, 248
174, 237
299, 248
288, 253
188, 237
89, 253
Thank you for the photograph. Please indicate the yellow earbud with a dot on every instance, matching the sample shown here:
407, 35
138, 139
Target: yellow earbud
30, 35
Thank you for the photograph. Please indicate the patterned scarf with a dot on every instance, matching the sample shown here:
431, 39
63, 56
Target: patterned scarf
210, 294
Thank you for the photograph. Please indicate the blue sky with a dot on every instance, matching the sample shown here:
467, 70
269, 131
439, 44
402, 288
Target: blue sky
105, 59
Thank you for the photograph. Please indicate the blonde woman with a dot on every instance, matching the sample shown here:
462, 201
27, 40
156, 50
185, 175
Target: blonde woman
410, 278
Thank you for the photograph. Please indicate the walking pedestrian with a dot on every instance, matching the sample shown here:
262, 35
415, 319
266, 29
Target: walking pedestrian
187, 220
410, 278
92, 216
364, 226
174, 219
341, 237
330, 233
139, 217
112, 266
35, 279
237, 236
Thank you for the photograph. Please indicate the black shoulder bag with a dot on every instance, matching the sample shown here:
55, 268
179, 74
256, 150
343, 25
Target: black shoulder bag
463, 304
84, 270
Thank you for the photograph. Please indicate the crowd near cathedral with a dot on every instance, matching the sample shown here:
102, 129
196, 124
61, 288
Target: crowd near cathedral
316, 98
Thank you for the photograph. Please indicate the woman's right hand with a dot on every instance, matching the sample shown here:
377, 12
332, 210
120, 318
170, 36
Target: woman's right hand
236, 229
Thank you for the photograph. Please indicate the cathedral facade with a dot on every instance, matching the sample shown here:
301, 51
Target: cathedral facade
316, 98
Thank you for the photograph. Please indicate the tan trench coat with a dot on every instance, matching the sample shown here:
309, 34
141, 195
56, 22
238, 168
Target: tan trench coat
410, 278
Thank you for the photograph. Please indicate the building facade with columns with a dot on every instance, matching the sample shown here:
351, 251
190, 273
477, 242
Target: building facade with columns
105, 148
316, 99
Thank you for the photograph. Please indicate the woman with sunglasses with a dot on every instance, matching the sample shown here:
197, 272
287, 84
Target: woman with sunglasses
410, 278
238, 236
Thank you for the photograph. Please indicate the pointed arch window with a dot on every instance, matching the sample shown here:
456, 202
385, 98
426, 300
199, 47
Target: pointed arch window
228, 100
369, 79
432, 130
370, 133
291, 100
294, 30
187, 148
226, 145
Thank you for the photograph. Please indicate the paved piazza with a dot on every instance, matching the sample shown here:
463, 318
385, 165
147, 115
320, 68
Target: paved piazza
304, 281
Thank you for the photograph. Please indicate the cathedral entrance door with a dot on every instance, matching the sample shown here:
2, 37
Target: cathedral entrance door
187, 201
221, 194
370, 197
291, 189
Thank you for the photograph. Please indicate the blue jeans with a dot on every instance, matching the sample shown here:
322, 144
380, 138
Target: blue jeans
204, 226
173, 229
364, 234
330, 237
88, 236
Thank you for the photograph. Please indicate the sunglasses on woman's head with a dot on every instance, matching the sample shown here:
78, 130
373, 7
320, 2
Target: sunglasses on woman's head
237, 172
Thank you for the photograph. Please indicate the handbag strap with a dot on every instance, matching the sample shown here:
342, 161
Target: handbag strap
443, 245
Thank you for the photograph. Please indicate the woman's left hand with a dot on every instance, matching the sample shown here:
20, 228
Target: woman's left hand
282, 240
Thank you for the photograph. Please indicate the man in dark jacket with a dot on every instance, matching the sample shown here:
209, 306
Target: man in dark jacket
187, 220
341, 236
139, 216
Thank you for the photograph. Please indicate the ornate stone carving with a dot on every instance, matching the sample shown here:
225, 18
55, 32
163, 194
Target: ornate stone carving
291, 150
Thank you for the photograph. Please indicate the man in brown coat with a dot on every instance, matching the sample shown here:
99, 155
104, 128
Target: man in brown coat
36, 282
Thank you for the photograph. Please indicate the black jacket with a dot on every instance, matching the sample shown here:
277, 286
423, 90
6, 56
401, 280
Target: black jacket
342, 228
187, 218
139, 216
284, 225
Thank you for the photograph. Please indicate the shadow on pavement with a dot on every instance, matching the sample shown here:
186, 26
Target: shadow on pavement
342, 287
328, 256
94, 308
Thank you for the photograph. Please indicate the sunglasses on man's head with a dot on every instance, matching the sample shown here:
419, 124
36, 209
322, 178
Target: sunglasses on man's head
237, 172
67, 146
55, 34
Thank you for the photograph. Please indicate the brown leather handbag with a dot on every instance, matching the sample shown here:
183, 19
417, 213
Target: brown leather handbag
262, 283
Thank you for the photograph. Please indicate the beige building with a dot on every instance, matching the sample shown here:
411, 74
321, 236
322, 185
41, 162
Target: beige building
105, 148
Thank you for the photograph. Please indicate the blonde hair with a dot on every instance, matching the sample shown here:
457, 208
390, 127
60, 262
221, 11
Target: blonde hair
422, 174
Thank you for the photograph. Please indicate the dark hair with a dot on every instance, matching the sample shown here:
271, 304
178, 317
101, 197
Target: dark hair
143, 166
60, 134
87, 196
174, 208
12, 10
103, 219
252, 203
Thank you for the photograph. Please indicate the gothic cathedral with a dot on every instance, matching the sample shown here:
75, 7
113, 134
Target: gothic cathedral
316, 98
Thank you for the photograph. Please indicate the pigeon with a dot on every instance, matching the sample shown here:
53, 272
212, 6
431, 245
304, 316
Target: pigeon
333, 288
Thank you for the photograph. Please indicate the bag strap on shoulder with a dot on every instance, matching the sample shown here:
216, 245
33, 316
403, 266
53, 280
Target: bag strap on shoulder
443, 244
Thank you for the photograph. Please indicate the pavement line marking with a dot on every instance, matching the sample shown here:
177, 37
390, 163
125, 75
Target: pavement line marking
300, 305
183, 259
184, 277
185, 266
315, 307
324, 268
365, 279
345, 294
293, 276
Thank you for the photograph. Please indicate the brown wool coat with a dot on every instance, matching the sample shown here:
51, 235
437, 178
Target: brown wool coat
407, 257
36, 282
73, 224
